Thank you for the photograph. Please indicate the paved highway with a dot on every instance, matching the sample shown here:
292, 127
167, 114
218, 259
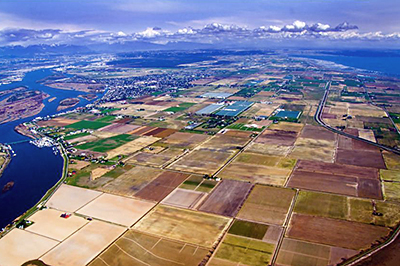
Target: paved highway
318, 118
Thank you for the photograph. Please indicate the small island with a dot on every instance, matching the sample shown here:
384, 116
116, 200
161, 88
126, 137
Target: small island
67, 103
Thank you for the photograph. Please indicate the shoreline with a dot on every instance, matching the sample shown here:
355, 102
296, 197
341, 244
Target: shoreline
6, 161
43, 200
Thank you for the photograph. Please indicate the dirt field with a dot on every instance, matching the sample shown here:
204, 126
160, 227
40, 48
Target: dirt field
238, 133
130, 182
85, 244
57, 122
345, 180
226, 198
333, 232
255, 173
255, 167
360, 158
314, 132
224, 143
69, 198
313, 149
287, 126
267, 204
155, 159
48, 223
78, 165
184, 225
296, 253
202, 161
98, 172
160, 187
184, 198
274, 150
184, 140
20, 246
119, 128
116, 209
132, 146
277, 137
136, 248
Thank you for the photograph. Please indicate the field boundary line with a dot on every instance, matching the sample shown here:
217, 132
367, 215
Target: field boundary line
284, 228
148, 251
129, 255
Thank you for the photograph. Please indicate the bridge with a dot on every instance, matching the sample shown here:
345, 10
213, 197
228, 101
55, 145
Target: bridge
17, 142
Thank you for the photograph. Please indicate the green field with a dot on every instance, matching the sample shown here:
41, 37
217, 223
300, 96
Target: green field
248, 229
390, 175
104, 145
69, 137
88, 125
179, 108
107, 118
246, 251
347, 208
392, 191
240, 126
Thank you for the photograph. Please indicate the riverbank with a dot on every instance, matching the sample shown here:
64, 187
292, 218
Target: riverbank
6, 157
42, 202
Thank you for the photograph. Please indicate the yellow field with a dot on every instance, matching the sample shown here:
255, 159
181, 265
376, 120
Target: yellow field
188, 226
132, 146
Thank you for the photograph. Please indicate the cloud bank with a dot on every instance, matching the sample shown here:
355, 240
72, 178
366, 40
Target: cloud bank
214, 33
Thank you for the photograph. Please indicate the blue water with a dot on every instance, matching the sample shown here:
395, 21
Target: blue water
34, 170
386, 65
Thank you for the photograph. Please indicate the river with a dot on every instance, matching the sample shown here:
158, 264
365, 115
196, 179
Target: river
34, 170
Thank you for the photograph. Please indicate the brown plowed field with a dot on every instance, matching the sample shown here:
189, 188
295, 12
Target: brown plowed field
160, 187
360, 158
340, 184
277, 137
226, 198
314, 132
353, 144
338, 169
333, 232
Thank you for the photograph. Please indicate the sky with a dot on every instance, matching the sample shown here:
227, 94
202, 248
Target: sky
28, 22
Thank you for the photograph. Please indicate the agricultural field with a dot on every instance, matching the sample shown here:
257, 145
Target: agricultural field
131, 181
245, 251
84, 244
336, 178
20, 246
194, 227
300, 253
328, 231
267, 204
198, 183
116, 209
137, 247
347, 208
104, 145
84, 124
226, 198
259, 168
162, 186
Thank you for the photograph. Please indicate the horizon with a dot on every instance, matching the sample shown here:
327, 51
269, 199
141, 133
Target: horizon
330, 24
